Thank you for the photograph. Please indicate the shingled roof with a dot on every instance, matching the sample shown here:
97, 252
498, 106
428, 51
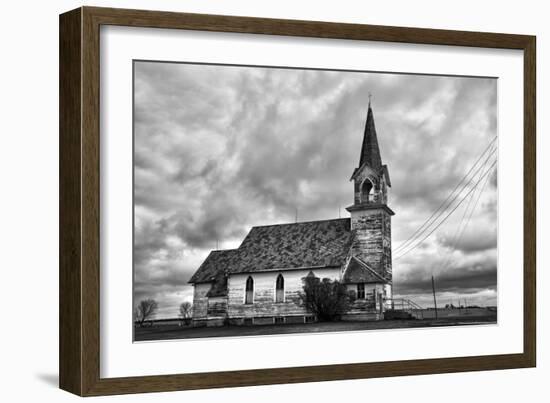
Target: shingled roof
286, 246
300, 245
218, 261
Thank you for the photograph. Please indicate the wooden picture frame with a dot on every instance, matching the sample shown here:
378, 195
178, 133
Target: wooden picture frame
79, 347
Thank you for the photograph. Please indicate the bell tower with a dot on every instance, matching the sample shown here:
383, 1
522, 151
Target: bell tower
370, 214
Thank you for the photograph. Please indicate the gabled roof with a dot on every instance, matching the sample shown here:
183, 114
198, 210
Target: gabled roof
382, 171
300, 245
358, 271
362, 168
218, 261
370, 152
312, 244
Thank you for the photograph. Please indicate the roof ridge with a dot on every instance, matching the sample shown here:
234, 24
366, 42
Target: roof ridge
223, 250
298, 223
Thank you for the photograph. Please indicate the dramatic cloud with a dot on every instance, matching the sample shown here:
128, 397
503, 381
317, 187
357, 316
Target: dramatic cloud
219, 149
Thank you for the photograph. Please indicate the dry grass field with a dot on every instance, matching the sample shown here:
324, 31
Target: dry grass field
171, 332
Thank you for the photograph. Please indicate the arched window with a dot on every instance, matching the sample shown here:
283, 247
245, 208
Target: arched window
249, 296
280, 289
366, 188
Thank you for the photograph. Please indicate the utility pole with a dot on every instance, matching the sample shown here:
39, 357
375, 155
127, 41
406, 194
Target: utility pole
433, 291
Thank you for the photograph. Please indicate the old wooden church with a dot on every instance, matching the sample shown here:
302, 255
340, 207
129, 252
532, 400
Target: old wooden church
260, 281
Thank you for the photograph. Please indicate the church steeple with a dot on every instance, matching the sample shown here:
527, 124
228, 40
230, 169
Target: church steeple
370, 214
370, 152
371, 178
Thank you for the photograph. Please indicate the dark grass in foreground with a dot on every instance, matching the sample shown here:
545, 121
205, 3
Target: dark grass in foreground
171, 332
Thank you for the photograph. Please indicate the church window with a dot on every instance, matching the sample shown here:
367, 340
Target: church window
280, 289
361, 291
249, 295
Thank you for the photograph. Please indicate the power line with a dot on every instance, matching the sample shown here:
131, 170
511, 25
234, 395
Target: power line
482, 188
443, 204
463, 221
435, 217
458, 230
447, 216
446, 203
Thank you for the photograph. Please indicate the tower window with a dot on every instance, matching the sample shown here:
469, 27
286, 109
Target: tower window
249, 295
366, 191
280, 289
361, 291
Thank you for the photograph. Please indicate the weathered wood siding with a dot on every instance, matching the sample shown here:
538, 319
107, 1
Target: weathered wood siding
371, 302
264, 308
200, 300
388, 293
386, 245
372, 239
264, 304
217, 307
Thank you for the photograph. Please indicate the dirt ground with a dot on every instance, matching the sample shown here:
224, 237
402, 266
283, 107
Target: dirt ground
171, 332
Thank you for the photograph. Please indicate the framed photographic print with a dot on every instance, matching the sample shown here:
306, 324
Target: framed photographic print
249, 201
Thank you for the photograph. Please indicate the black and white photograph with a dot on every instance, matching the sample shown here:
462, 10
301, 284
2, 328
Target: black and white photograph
278, 201
272, 200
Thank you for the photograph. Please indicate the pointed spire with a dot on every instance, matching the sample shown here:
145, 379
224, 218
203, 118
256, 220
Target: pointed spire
370, 152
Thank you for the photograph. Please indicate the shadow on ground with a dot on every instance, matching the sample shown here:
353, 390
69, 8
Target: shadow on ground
49, 379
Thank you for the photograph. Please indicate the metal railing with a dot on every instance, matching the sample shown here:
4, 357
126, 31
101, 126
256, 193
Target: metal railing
405, 305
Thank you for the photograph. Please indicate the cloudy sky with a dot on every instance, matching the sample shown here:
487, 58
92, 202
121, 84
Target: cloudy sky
219, 149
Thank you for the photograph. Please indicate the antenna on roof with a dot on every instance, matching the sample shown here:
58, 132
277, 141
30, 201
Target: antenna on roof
296, 217
217, 244
339, 212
